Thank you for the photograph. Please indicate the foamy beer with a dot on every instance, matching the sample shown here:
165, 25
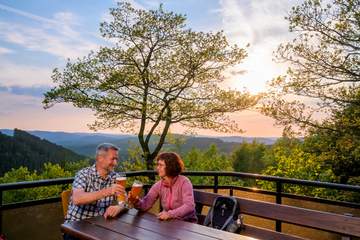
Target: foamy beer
136, 189
121, 181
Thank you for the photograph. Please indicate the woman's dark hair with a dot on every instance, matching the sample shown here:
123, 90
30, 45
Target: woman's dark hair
174, 163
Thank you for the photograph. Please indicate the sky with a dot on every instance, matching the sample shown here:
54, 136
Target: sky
37, 36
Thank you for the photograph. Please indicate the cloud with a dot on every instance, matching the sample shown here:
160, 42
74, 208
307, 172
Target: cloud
260, 23
59, 36
35, 91
16, 108
255, 22
15, 103
12, 74
5, 51
39, 39
136, 4
26, 14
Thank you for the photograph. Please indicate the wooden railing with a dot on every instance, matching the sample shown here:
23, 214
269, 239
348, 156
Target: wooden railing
279, 193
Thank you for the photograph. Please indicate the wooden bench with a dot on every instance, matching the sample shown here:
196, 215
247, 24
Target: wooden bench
336, 223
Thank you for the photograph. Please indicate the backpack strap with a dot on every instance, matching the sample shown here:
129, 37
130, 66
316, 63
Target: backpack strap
208, 220
209, 217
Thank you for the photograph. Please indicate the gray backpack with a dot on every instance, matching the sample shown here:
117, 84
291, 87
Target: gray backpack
225, 215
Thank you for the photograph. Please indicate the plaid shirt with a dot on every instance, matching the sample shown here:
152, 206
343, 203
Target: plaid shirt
90, 180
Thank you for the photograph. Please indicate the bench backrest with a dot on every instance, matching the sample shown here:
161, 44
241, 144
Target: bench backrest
331, 222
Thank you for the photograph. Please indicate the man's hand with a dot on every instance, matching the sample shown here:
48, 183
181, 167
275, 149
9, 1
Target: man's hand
164, 215
115, 189
112, 211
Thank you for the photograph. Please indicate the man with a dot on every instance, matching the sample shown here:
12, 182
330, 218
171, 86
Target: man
94, 188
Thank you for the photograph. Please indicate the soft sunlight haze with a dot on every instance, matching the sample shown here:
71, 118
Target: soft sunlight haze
36, 37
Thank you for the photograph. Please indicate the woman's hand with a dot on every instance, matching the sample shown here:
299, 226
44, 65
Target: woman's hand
112, 211
164, 215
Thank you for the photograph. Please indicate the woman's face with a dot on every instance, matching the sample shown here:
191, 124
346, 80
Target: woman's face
161, 168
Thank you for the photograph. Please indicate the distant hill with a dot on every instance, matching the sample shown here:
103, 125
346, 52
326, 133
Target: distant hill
24, 149
67, 138
81, 143
85, 143
264, 140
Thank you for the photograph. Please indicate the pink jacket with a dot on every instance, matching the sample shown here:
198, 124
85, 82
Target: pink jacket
177, 199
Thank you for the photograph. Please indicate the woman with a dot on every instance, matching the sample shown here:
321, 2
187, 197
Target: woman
174, 190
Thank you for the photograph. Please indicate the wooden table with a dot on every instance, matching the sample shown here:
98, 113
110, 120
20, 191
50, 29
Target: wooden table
133, 224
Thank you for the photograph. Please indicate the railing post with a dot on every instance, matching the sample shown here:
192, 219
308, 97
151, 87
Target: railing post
216, 183
344, 237
231, 192
279, 190
1, 211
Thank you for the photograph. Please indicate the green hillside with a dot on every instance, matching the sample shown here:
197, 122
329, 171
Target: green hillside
24, 149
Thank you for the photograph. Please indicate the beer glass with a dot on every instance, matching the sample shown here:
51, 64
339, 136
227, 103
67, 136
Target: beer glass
136, 189
121, 197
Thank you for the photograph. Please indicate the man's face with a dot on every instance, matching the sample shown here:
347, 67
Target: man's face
108, 160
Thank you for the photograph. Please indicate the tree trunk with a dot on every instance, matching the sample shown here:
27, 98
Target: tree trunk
149, 159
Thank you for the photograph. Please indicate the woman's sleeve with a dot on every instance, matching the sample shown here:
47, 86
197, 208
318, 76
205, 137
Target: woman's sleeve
188, 205
148, 201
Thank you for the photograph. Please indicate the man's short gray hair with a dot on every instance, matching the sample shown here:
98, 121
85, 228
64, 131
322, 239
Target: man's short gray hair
104, 147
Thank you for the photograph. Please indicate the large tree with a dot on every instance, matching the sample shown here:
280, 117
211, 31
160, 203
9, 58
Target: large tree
341, 148
323, 78
156, 74
324, 60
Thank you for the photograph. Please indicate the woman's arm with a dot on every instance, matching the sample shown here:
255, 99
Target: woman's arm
148, 201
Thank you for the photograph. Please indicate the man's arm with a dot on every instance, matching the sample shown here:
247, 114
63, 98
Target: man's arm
80, 197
